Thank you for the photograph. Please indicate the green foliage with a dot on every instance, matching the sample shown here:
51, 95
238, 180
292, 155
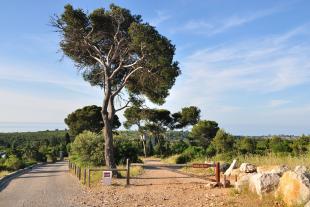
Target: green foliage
203, 132
301, 145
87, 148
183, 158
162, 148
187, 116
82, 34
210, 151
277, 145
177, 147
87, 118
262, 146
195, 152
126, 149
223, 142
51, 158
245, 145
13, 163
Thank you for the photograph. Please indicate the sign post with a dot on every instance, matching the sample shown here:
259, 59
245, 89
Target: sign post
107, 177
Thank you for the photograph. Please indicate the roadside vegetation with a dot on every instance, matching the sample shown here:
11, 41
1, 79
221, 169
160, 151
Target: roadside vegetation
19, 150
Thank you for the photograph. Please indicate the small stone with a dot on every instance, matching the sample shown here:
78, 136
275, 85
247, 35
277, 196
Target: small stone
247, 168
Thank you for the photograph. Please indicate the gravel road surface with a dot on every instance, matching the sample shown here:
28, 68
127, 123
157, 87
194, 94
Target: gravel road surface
48, 185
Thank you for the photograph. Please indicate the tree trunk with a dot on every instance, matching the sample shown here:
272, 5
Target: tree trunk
108, 145
108, 112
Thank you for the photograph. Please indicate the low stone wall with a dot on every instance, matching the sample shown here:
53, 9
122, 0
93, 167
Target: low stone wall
9, 177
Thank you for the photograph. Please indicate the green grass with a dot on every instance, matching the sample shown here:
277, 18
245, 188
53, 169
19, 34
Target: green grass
171, 159
273, 159
96, 176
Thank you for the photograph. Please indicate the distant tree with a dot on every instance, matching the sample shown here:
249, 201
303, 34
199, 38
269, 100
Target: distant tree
203, 132
118, 52
88, 118
157, 121
187, 116
245, 145
262, 146
301, 145
223, 142
67, 138
278, 145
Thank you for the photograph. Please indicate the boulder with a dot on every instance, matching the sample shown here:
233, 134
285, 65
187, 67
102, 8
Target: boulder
299, 169
294, 188
247, 168
234, 172
307, 205
278, 169
242, 183
263, 183
231, 167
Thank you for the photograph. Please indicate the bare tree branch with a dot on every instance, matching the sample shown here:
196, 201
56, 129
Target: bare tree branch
125, 81
123, 107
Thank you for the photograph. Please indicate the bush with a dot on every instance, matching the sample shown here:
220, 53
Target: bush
126, 149
211, 151
223, 142
225, 157
178, 147
88, 149
194, 152
182, 159
13, 163
51, 158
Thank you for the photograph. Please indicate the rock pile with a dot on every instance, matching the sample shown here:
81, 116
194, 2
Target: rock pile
292, 186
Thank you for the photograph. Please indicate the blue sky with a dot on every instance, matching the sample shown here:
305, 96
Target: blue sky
245, 64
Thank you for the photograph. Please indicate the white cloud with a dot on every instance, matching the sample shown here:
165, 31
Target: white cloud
278, 102
161, 16
263, 66
213, 27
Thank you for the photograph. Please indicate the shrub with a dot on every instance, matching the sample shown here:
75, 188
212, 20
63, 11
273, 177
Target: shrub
194, 152
88, 148
210, 151
178, 147
182, 159
13, 163
225, 157
126, 149
51, 158
223, 142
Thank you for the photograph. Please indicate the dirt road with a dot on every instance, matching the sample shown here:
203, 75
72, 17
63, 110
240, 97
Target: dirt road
158, 186
48, 185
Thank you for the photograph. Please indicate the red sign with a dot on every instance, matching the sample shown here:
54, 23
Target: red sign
196, 165
107, 174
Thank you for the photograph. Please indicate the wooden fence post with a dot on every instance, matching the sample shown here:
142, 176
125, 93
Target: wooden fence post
88, 177
78, 172
217, 173
84, 180
127, 172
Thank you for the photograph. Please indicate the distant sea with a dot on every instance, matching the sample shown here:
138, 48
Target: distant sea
29, 126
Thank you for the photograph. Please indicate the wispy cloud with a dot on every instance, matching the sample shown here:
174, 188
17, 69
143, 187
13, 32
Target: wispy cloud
278, 102
161, 16
212, 27
272, 65
262, 66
